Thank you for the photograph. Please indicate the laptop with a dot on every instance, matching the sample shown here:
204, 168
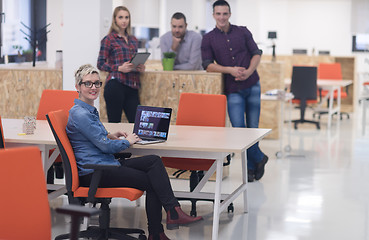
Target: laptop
152, 124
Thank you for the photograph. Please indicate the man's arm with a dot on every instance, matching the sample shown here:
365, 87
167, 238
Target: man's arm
165, 44
254, 63
194, 62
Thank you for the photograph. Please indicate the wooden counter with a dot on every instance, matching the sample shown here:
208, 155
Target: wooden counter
21, 87
163, 88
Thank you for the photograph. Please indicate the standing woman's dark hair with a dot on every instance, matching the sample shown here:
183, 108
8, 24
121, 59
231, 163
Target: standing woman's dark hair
123, 81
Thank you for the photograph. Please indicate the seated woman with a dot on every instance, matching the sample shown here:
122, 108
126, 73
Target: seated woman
93, 144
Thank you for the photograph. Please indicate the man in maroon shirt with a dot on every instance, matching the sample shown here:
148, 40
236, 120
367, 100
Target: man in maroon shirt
231, 50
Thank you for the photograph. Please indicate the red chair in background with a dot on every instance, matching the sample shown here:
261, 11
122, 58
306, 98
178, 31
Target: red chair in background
330, 71
197, 109
52, 100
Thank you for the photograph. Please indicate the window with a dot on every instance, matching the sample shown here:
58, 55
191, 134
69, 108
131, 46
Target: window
20, 16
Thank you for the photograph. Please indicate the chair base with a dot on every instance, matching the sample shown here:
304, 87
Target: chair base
305, 121
111, 233
326, 112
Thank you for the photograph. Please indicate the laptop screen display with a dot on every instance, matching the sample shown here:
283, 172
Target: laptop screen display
152, 122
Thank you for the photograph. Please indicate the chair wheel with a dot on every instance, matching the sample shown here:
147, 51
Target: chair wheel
279, 154
230, 208
193, 213
287, 148
142, 237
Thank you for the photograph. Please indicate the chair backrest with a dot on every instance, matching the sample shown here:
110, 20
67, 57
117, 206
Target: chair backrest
25, 211
199, 109
330, 71
52, 100
304, 82
2, 141
58, 122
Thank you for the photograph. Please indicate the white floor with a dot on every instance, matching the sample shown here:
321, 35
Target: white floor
318, 192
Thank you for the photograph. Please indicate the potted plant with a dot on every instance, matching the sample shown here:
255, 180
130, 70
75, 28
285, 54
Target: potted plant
19, 58
168, 61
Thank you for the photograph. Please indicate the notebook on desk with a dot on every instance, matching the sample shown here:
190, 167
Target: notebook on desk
152, 124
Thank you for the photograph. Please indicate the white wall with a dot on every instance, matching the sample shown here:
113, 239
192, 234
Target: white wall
309, 24
55, 37
314, 24
83, 29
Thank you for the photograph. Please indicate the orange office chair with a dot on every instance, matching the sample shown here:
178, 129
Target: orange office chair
330, 71
2, 141
304, 89
198, 110
52, 100
82, 195
27, 214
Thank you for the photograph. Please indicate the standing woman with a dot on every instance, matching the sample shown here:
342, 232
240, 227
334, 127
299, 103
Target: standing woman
123, 81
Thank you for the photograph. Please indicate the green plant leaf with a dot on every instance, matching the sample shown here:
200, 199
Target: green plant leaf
169, 55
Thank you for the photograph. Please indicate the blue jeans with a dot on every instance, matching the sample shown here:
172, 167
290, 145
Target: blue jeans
246, 101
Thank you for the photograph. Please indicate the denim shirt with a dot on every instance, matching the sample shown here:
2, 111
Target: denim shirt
88, 138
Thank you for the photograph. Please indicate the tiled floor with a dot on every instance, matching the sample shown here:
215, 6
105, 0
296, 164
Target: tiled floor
318, 192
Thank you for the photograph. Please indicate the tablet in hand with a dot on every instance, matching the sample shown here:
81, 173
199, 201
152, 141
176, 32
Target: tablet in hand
139, 58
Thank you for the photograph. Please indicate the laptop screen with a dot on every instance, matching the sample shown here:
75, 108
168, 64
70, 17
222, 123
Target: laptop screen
152, 122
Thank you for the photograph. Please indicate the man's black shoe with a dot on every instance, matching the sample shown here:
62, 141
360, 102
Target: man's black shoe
260, 168
250, 175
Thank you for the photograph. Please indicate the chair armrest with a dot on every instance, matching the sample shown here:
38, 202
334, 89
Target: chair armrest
77, 210
229, 157
96, 176
121, 155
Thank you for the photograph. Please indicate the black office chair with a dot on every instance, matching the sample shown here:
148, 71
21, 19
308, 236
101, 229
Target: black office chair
2, 141
304, 89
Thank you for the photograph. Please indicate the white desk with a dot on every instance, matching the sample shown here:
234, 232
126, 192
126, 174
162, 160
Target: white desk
183, 141
41, 138
204, 142
331, 85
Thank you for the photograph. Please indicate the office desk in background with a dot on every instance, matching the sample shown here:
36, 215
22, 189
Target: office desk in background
331, 85
183, 141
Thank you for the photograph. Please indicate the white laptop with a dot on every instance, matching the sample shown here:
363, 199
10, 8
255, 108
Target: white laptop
152, 124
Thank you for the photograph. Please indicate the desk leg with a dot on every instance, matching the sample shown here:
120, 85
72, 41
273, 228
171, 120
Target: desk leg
49, 160
244, 180
218, 189
364, 103
330, 107
338, 104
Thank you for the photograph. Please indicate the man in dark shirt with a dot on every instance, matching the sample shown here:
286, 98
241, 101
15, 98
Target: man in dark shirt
237, 56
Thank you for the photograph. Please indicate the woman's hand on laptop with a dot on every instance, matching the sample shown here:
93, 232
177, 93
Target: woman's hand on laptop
117, 135
132, 138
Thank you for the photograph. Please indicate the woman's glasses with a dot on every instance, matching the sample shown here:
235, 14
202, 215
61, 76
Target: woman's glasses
89, 84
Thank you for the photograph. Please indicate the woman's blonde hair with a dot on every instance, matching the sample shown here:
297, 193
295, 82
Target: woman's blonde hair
83, 71
114, 27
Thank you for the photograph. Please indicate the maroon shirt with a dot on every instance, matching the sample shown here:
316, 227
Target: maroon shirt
234, 48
